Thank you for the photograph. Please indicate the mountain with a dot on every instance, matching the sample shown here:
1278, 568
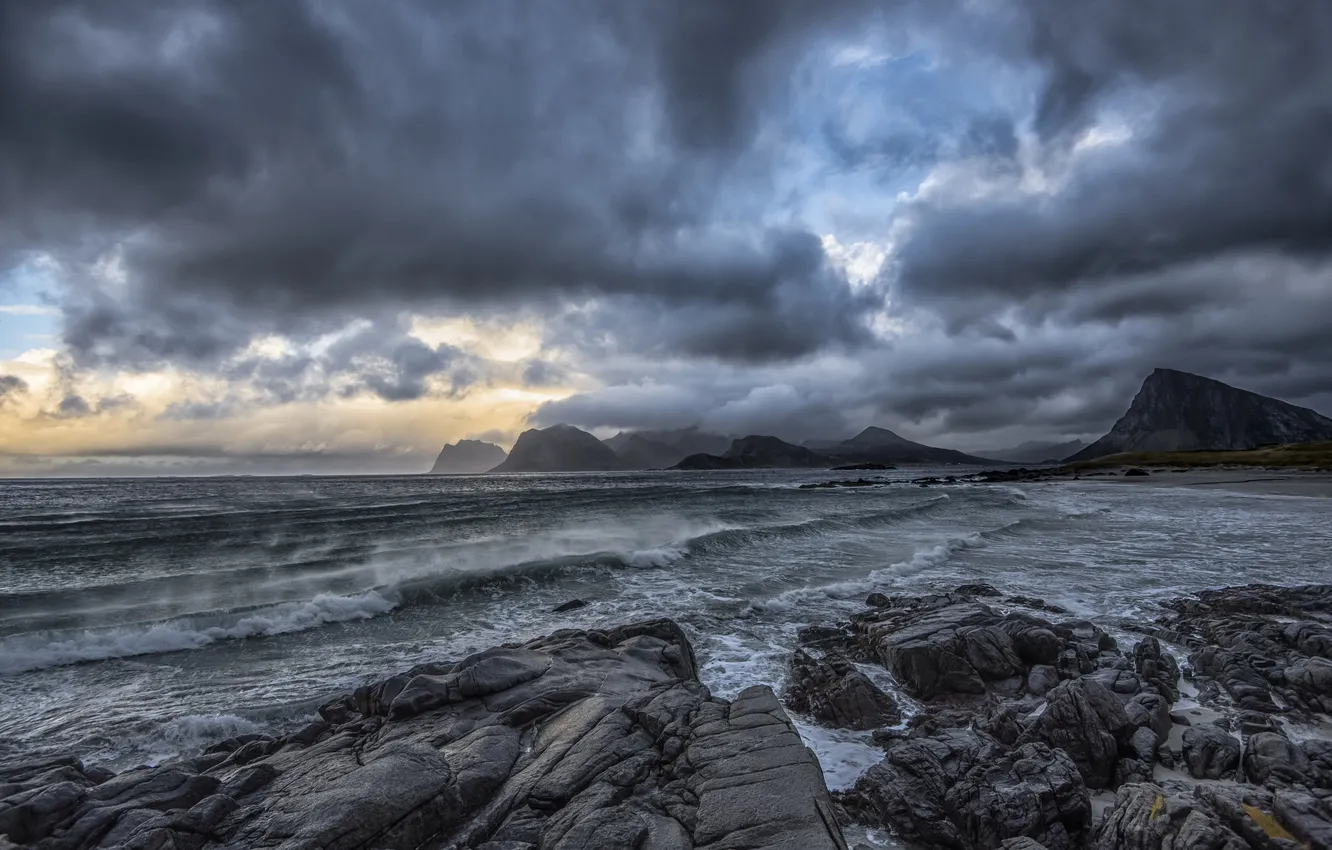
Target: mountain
1176, 411
684, 441
879, 445
1035, 451
638, 452
467, 456
760, 452
756, 452
559, 448
702, 460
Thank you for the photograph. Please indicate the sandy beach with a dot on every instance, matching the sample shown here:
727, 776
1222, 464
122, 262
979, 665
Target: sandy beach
1263, 481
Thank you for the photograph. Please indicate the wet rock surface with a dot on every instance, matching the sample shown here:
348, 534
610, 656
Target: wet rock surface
1026, 718
581, 739
1003, 721
835, 692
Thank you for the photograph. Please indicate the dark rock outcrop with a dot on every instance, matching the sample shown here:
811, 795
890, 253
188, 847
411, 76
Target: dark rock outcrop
559, 448
834, 692
1219, 817
962, 789
468, 457
1263, 644
1088, 722
1210, 752
1176, 411
582, 739
953, 647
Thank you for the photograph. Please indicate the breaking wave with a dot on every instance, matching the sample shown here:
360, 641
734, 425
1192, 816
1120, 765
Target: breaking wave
35, 651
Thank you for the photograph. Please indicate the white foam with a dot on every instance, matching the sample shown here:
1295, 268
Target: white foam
844, 755
22, 653
188, 734
662, 556
931, 556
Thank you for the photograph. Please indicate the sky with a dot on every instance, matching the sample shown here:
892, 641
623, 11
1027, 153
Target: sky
328, 237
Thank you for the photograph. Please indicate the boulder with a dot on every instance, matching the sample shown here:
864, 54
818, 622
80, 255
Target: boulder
1088, 722
1157, 668
1210, 752
1034, 792
834, 692
908, 790
1273, 760
961, 789
1145, 817
951, 648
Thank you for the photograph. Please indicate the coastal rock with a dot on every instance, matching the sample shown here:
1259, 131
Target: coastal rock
1145, 817
1267, 646
1210, 752
1306, 817
1088, 722
1274, 760
834, 692
1157, 668
962, 789
952, 647
581, 739
1151, 711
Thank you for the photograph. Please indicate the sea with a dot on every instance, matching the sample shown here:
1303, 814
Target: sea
145, 619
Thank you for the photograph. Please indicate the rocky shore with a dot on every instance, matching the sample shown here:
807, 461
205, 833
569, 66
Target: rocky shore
1006, 725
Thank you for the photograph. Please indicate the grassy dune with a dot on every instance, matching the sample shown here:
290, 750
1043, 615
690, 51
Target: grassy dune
1291, 456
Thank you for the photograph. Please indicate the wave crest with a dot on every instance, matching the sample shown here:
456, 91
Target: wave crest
36, 651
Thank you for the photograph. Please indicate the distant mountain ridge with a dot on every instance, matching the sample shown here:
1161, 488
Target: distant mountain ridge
757, 452
1035, 451
559, 448
873, 445
879, 445
468, 457
658, 449
638, 452
1178, 411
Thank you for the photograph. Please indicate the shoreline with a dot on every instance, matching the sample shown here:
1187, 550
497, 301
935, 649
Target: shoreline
1313, 483
1215, 718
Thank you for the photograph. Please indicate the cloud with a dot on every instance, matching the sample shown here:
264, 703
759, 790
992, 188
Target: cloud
308, 163
1224, 159
954, 219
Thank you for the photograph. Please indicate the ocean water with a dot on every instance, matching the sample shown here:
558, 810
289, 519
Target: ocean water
144, 619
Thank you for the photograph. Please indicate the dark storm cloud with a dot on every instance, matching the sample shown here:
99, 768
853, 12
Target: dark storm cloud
542, 373
1232, 153
379, 358
609, 169
275, 167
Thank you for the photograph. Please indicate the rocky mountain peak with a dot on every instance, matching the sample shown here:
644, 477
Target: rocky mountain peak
1178, 411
